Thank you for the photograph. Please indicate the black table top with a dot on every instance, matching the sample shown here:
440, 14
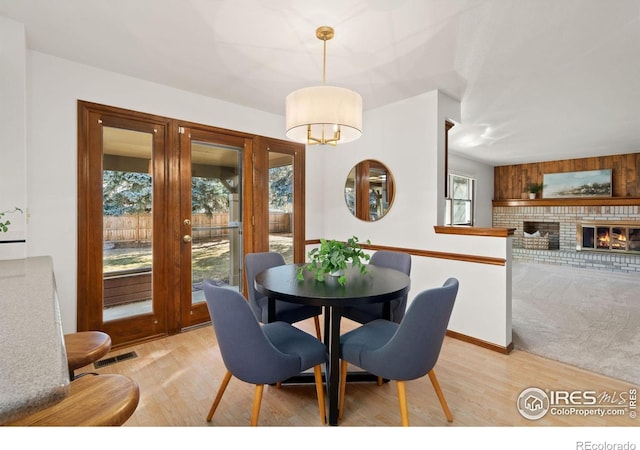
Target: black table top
379, 284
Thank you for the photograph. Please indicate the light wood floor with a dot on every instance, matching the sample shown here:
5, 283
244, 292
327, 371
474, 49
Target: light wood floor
178, 377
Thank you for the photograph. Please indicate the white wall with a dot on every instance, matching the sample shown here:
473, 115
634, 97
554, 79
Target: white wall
13, 146
413, 123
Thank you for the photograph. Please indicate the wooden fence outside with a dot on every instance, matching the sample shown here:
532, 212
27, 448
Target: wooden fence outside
138, 227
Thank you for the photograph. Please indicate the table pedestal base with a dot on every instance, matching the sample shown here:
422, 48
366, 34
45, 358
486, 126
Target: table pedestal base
352, 377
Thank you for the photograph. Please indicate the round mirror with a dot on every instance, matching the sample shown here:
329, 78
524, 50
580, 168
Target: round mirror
369, 190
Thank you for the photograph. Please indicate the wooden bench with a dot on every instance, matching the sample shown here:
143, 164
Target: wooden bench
127, 287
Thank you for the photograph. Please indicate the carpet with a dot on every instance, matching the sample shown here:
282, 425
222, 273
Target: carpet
587, 318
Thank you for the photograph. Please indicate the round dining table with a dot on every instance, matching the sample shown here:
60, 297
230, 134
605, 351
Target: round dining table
377, 285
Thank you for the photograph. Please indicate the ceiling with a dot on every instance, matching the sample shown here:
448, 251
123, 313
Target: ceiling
537, 79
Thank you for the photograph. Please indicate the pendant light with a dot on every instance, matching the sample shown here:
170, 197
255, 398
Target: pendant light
325, 115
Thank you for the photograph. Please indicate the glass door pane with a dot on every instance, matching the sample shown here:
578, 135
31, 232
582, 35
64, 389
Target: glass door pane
127, 187
281, 205
216, 216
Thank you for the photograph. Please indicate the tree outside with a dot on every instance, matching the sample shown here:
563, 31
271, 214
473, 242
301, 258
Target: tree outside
130, 194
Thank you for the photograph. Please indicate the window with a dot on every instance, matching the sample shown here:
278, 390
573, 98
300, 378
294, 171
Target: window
460, 205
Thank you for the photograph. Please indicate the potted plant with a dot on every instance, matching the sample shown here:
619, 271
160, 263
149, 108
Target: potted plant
332, 257
533, 189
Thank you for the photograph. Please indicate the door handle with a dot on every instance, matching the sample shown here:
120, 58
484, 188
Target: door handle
186, 238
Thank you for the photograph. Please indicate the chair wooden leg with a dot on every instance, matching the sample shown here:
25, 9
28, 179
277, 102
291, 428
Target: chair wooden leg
402, 398
443, 402
316, 321
343, 386
257, 400
317, 371
223, 386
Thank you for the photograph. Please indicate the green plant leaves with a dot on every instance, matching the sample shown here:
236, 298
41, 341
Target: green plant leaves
333, 256
4, 225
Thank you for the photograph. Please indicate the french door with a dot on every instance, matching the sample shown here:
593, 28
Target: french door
165, 206
123, 238
211, 214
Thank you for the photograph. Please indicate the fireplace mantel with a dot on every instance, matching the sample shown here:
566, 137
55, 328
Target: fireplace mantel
599, 201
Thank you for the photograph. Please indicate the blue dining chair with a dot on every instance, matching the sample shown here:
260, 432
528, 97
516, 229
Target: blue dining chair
404, 351
257, 354
255, 263
366, 313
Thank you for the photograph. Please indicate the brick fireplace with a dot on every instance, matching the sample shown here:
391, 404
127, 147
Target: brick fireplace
567, 226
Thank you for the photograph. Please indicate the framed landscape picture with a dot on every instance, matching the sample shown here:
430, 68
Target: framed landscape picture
587, 183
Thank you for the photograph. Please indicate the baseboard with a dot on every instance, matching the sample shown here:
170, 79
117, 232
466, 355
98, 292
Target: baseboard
479, 342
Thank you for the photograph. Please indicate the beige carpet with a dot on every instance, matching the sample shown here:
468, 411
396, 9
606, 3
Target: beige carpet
583, 317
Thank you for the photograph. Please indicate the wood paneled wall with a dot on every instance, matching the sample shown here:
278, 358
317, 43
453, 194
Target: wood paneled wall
510, 181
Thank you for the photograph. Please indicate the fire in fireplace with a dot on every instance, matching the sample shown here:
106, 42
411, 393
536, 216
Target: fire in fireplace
609, 237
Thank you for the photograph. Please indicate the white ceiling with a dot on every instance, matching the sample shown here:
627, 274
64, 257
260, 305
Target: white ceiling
537, 79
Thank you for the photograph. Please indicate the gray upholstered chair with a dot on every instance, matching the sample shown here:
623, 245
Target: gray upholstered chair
404, 351
366, 313
258, 354
254, 263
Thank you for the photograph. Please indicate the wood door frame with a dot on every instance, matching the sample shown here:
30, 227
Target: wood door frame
255, 210
91, 118
260, 206
188, 315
